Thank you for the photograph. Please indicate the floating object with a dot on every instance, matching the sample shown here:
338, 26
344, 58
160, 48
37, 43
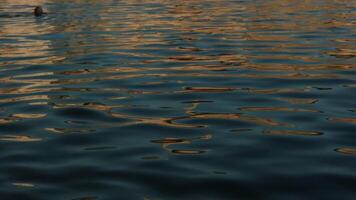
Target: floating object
38, 11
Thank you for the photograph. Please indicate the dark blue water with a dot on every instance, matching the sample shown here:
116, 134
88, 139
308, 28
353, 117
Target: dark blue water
173, 100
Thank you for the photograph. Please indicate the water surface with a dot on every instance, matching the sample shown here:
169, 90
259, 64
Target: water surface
168, 100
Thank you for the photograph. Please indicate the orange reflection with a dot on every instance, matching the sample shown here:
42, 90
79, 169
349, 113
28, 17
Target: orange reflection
343, 119
348, 151
299, 100
26, 50
25, 185
272, 109
167, 142
19, 138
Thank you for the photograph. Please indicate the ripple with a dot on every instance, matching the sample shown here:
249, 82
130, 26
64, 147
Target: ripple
28, 116
348, 151
25, 98
236, 116
167, 142
99, 148
6, 120
177, 100
198, 101
24, 185
292, 132
208, 89
70, 130
299, 101
188, 152
19, 138
343, 53
87, 198
276, 109
343, 119
241, 130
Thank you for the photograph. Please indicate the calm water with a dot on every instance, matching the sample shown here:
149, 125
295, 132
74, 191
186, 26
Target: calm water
173, 100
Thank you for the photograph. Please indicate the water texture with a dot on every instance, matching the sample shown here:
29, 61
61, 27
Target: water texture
172, 100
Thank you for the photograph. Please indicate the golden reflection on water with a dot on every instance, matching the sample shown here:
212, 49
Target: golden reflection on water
346, 150
188, 18
19, 138
343, 119
272, 109
299, 100
167, 142
261, 31
247, 118
70, 130
178, 122
189, 78
25, 98
88, 105
28, 116
344, 53
161, 121
6, 120
26, 50
20, 116
24, 185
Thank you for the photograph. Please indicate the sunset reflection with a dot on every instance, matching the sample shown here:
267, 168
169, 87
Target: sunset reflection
161, 99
